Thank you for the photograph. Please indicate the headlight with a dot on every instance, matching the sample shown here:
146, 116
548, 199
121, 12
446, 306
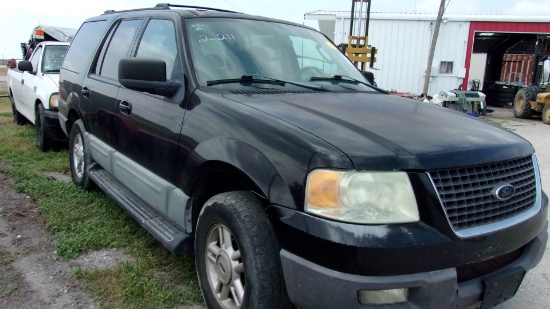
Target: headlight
53, 100
361, 197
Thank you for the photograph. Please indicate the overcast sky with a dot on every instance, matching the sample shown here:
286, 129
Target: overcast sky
20, 17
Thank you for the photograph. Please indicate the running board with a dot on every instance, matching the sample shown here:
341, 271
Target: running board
172, 237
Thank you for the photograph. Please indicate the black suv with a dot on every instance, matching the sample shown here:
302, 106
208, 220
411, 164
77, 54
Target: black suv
257, 145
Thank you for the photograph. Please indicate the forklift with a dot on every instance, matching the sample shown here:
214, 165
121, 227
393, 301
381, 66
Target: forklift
535, 99
358, 49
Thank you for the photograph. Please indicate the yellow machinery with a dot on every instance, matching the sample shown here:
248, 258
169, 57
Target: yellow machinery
535, 99
358, 49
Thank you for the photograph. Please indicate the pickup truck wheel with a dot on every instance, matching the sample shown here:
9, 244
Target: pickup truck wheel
42, 141
237, 255
80, 158
17, 117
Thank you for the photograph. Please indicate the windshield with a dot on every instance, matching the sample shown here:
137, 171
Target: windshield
230, 48
53, 57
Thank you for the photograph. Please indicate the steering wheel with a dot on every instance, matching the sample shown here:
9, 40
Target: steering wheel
310, 71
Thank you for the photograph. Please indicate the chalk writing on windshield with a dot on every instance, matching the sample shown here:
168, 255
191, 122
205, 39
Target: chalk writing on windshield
217, 37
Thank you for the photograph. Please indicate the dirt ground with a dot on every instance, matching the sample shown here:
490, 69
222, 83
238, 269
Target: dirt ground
31, 274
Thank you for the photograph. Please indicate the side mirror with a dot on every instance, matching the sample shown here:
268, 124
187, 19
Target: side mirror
146, 74
24, 66
369, 76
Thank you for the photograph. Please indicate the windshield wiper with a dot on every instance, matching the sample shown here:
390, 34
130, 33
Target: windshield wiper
257, 78
51, 71
345, 79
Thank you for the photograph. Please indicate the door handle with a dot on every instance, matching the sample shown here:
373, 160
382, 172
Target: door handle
22, 82
125, 107
85, 92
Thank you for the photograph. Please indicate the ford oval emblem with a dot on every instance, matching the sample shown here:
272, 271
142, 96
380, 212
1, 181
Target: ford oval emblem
503, 192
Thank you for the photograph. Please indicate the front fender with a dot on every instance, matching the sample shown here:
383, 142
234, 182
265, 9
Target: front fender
245, 158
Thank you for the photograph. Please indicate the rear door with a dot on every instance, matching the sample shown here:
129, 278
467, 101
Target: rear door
100, 88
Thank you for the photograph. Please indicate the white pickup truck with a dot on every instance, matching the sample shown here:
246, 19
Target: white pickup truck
33, 91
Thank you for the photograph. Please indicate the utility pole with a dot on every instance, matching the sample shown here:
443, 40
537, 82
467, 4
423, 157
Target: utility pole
432, 48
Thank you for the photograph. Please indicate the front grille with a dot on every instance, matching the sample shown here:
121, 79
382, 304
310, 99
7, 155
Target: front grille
466, 193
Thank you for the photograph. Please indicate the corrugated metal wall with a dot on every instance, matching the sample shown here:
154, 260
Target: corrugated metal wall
403, 52
517, 68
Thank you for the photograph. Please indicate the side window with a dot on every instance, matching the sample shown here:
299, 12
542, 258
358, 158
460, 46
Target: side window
35, 58
159, 42
117, 48
83, 46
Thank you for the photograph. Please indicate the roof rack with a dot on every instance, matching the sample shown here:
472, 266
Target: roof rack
168, 5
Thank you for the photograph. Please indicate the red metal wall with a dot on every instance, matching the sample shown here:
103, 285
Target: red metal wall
481, 26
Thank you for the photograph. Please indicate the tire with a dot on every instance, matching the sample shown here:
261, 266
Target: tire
234, 233
79, 155
546, 113
42, 141
17, 117
522, 105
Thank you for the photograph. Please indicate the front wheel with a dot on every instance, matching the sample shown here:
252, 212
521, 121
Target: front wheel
79, 155
42, 141
237, 254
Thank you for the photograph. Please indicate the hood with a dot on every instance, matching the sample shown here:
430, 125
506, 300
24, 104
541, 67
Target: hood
54, 78
384, 132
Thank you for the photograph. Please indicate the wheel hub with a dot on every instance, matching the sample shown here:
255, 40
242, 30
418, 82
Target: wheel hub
224, 268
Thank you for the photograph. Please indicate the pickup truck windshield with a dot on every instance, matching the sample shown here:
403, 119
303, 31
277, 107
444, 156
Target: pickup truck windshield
226, 49
53, 58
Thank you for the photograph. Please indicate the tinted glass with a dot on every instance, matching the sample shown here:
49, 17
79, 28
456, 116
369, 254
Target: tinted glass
118, 48
53, 58
83, 45
159, 42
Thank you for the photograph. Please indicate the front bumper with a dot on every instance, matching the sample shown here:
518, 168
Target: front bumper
53, 128
313, 286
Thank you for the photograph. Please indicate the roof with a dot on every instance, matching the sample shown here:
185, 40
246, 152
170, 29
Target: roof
329, 15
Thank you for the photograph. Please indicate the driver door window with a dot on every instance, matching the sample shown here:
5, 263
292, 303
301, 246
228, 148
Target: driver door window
159, 42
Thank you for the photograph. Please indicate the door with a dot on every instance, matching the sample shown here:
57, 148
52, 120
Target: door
150, 124
25, 104
100, 88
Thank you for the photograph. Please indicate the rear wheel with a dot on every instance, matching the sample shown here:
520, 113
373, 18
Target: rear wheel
546, 113
42, 141
17, 117
237, 254
79, 155
522, 103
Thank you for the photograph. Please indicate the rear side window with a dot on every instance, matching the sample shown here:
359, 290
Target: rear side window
117, 47
83, 45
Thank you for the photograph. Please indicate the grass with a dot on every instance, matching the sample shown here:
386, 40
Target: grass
85, 221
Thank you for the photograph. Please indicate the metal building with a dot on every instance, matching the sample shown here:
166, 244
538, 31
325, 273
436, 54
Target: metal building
468, 47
